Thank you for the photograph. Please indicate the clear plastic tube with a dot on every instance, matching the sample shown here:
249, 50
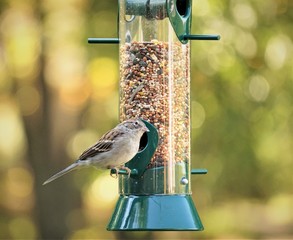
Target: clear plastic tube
155, 86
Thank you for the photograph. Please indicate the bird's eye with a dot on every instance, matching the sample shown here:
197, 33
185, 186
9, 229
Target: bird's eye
136, 123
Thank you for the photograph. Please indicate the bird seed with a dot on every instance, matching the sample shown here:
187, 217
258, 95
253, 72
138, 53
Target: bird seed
155, 86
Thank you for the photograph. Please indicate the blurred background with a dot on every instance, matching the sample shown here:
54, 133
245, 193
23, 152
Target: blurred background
58, 94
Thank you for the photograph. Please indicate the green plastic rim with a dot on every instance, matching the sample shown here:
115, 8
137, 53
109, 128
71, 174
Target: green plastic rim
179, 13
155, 213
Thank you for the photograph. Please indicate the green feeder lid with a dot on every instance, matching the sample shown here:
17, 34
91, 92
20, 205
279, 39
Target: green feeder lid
178, 11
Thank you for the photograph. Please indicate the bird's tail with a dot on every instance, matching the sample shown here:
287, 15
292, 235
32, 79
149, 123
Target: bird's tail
64, 171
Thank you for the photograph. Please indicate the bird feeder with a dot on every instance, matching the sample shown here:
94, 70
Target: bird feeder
155, 86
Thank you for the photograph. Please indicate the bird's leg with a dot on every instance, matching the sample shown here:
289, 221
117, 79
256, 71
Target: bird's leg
128, 170
116, 174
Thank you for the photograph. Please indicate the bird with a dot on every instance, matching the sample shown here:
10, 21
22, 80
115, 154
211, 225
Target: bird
115, 148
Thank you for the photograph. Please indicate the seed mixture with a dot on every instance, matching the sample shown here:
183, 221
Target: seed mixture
154, 86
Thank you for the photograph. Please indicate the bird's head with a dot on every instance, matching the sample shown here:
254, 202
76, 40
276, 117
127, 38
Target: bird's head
136, 125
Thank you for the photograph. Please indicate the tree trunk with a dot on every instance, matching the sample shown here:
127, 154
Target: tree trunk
54, 201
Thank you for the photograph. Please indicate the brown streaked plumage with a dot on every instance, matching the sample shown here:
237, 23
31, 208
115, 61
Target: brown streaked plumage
113, 149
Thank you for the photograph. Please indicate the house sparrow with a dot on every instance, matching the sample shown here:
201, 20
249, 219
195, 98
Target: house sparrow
113, 150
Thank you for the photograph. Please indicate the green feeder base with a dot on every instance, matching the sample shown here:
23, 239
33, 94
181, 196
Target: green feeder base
155, 213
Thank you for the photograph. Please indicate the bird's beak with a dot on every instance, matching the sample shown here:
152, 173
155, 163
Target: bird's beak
146, 129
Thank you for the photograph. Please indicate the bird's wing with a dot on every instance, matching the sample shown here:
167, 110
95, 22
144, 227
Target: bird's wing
105, 144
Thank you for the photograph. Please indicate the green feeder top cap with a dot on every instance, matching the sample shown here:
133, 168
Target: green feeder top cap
178, 11
151, 9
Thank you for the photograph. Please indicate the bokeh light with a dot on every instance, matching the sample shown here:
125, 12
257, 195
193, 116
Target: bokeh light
278, 50
259, 88
12, 136
18, 190
102, 192
58, 95
197, 114
21, 42
19, 182
244, 14
102, 73
246, 44
22, 228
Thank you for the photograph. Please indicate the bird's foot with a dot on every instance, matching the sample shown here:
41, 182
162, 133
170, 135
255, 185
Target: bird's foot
128, 170
115, 175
